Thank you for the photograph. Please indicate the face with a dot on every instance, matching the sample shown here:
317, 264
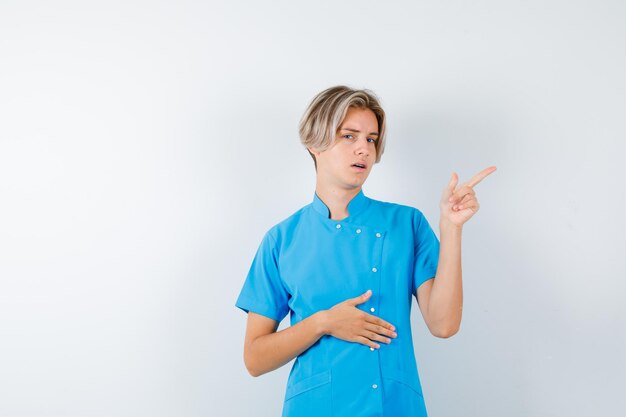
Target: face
354, 144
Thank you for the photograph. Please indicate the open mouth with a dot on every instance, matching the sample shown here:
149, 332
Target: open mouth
359, 166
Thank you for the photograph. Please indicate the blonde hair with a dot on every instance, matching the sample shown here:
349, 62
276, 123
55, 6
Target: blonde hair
321, 120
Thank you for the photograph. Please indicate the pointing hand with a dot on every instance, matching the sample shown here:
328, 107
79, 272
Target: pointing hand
458, 205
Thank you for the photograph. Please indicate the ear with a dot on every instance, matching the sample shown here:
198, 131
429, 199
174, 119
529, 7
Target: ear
314, 151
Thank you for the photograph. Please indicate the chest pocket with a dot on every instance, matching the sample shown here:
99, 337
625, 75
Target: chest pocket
324, 269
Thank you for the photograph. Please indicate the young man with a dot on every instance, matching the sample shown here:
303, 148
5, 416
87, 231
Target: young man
346, 266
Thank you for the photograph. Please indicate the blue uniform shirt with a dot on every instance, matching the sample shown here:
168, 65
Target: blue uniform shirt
309, 262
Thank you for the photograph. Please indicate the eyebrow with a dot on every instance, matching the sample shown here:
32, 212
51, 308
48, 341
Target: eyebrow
358, 131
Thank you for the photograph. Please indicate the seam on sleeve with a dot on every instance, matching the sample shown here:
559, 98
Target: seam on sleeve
417, 228
277, 260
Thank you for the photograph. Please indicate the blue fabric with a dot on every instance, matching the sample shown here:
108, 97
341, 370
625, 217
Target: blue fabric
309, 262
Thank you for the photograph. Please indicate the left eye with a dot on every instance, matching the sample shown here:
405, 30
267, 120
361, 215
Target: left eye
370, 140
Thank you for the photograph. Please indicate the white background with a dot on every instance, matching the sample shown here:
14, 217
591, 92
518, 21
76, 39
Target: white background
145, 147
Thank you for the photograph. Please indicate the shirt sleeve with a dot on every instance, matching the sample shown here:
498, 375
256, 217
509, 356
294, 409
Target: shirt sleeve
426, 251
263, 291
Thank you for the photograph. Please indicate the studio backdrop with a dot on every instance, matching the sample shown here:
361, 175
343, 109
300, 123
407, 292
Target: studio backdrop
146, 147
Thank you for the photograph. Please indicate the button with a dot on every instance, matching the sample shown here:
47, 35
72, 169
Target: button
338, 226
372, 348
374, 269
358, 230
377, 234
372, 309
374, 386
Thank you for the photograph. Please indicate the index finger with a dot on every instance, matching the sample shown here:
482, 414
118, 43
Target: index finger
480, 176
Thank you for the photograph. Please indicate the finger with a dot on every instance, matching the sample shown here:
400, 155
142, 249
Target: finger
453, 182
365, 341
465, 202
473, 205
380, 322
376, 337
460, 193
380, 330
360, 299
467, 198
480, 176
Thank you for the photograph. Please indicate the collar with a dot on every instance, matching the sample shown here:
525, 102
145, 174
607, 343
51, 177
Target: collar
356, 205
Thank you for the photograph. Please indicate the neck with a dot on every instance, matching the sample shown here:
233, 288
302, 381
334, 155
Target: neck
336, 199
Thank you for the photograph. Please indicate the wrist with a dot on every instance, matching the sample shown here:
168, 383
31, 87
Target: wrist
322, 322
447, 227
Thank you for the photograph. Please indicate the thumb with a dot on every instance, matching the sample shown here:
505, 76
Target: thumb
453, 182
361, 298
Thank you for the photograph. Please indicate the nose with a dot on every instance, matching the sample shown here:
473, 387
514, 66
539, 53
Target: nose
362, 148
